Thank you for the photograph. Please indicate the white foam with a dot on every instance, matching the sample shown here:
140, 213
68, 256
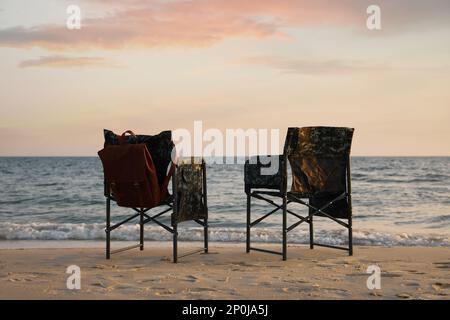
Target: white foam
83, 231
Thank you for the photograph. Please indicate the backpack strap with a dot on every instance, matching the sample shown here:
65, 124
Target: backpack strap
123, 138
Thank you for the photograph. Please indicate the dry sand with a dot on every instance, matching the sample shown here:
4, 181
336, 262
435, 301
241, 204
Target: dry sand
227, 272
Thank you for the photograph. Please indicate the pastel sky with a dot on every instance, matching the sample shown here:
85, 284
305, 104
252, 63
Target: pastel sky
157, 65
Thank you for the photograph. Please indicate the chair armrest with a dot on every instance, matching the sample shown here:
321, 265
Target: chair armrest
264, 172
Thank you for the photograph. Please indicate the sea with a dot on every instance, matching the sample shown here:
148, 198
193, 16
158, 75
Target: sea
397, 201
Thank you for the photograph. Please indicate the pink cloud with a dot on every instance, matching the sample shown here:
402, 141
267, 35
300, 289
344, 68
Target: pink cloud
205, 22
66, 62
302, 66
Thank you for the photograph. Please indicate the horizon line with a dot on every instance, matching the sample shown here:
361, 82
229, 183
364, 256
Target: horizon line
355, 156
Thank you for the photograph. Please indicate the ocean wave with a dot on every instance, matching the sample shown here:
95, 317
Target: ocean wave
95, 231
16, 201
402, 180
50, 184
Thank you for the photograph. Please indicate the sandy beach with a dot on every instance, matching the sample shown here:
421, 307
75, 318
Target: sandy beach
227, 272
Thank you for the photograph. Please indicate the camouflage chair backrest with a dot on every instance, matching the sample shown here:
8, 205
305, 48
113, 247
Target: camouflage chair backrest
254, 177
318, 157
189, 184
160, 147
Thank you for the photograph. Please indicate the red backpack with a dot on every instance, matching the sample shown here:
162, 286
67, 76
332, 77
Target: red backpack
130, 174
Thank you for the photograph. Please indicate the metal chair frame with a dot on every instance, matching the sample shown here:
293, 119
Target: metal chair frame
145, 218
290, 197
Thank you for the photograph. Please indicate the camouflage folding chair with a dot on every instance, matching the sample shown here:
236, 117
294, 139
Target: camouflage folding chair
188, 184
319, 158
190, 199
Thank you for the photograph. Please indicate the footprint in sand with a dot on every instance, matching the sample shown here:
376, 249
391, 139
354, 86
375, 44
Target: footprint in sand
99, 284
296, 290
376, 294
163, 292
243, 264
148, 280
104, 284
438, 286
336, 290
201, 290
126, 287
273, 266
326, 265
442, 265
191, 279
297, 281
404, 296
394, 274
21, 279
50, 291
137, 269
415, 272
224, 280
411, 284
104, 266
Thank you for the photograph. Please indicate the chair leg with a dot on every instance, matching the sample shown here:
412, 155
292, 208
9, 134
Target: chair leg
350, 237
311, 231
175, 244
248, 222
141, 229
284, 228
108, 224
205, 230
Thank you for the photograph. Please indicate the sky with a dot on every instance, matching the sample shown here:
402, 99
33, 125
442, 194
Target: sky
160, 65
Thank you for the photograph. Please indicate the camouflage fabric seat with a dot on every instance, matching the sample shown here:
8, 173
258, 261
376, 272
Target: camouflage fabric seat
319, 159
190, 191
190, 197
188, 201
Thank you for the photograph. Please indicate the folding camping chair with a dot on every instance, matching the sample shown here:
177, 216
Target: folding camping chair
319, 158
188, 201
